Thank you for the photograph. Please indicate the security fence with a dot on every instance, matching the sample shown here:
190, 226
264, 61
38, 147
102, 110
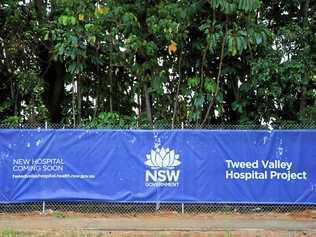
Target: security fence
101, 208
91, 208
161, 125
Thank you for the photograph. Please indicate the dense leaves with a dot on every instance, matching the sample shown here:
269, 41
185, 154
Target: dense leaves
121, 63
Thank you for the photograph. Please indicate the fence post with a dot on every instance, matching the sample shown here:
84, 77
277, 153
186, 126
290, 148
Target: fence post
182, 204
43, 208
43, 203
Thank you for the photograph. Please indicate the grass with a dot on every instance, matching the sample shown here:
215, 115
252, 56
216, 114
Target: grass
14, 233
58, 214
228, 234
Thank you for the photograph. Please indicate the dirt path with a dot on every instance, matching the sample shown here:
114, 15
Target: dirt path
155, 223
161, 224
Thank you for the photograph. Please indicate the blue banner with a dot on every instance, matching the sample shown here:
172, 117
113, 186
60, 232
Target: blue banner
194, 166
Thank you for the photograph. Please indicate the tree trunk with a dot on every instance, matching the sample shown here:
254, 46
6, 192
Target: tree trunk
213, 100
175, 104
53, 74
79, 98
111, 89
148, 105
304, 86
73, 102
97, 93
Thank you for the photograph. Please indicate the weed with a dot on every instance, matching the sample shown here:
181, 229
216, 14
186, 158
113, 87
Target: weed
228, 234
11, 233
58, 214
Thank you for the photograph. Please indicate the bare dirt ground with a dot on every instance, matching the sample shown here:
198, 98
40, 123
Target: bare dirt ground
158, 224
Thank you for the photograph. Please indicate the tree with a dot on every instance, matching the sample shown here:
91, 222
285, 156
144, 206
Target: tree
135, 62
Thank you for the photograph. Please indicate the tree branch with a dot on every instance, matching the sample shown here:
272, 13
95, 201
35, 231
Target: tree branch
217, 83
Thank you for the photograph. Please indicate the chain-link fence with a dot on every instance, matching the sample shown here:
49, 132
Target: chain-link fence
162, 125
95, 208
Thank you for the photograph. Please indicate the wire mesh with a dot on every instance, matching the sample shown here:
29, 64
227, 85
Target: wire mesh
161, 125
94, 208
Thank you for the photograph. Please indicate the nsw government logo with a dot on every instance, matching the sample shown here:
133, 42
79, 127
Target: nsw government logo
162, 168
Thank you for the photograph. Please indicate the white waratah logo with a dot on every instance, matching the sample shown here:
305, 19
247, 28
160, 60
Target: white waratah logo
162, 159
163, 170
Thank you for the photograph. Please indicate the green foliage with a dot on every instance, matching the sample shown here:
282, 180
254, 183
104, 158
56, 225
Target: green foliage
308, 115
12, 120
123, 63
108, 120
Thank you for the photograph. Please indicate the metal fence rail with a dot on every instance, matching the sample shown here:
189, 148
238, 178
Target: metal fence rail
62, 208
